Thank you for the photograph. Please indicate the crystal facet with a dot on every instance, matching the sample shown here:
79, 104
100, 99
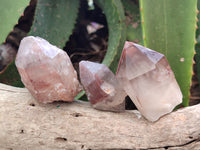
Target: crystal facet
46, 71
102, 88
148, 80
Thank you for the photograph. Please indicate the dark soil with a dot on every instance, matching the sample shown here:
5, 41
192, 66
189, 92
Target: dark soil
85, 46
195, 88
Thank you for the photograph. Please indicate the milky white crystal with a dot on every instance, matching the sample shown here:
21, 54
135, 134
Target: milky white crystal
46, 70
102, 88
148, 80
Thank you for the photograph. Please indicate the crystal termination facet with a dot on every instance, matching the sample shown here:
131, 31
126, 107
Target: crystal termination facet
148, 80
46, 71
102, 88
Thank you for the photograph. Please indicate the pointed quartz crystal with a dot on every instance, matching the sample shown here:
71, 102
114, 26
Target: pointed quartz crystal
101, 86
46, 71
148, 80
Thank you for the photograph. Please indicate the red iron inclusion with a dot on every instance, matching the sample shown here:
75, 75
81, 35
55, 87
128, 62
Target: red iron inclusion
102, 88
46, 71
148, 80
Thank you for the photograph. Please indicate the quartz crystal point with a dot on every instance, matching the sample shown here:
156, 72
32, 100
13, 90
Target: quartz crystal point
46, 70
101, 86
148, 80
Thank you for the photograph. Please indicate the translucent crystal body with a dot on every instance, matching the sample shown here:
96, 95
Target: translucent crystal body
101, 86
46, 71
148, 80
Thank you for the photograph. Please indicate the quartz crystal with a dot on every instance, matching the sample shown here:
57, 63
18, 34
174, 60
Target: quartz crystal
102, 88
46, 70
148, 80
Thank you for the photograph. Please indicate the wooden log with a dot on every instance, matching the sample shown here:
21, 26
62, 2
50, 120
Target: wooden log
27, 124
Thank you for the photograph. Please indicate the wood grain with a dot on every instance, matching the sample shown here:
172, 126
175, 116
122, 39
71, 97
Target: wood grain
27, 124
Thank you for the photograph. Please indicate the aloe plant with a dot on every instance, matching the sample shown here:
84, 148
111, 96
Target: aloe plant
10, 13
117, 31
11, 76
197, 46
54, 20
169, 27
50, 22
133, 23
58, 31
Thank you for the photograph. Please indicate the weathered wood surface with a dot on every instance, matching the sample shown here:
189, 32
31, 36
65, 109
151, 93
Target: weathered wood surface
27, 124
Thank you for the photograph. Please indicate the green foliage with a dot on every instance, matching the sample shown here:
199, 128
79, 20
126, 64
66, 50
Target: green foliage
52, 23
117, 33
54, 20
198, 22
169, 28
114, 12
11, 76
197, 46
134, 27
10, 13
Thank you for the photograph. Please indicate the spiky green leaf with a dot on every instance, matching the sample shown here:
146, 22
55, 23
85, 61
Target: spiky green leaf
133, 23
10, 13
169, 28
54, 20
114, 12
197, 46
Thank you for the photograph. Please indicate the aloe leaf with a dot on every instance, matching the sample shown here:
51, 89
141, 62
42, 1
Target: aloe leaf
169, 28
11, 76
133, 23
114, 12
10, 13
197, 46
54, 20
198, 21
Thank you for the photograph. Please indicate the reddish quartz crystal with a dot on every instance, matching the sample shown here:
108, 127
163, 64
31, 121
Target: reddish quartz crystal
101, 86
46, 71
148, 80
